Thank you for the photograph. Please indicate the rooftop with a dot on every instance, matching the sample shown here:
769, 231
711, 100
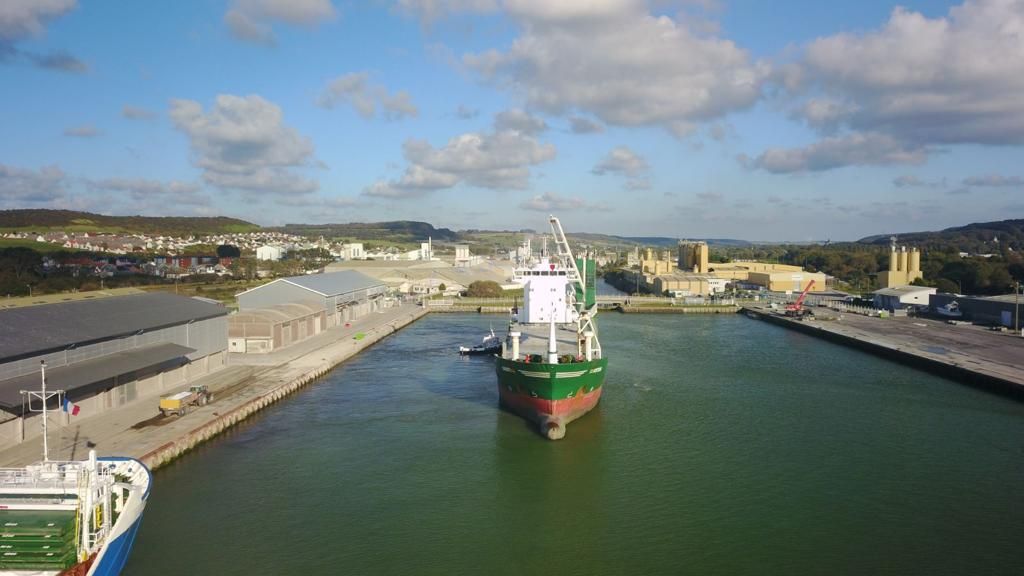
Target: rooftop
329, 283
36, 330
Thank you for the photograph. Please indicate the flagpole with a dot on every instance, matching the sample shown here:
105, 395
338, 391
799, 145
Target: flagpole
46, 450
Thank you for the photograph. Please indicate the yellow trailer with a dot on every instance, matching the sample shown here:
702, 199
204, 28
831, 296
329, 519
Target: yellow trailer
181, 402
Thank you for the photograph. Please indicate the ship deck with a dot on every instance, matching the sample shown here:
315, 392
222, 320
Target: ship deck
534, 339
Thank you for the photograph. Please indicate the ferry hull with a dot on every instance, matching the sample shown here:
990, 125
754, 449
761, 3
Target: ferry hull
552, 395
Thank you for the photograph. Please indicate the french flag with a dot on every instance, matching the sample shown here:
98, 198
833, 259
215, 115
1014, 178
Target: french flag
69, 407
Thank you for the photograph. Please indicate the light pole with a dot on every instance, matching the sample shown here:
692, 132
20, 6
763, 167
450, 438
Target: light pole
1016, 308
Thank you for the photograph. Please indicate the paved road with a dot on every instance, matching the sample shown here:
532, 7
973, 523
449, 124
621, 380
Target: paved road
999, 354
137, 428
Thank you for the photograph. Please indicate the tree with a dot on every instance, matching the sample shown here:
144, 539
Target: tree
484, 289
228, 251
946, 286
442, 287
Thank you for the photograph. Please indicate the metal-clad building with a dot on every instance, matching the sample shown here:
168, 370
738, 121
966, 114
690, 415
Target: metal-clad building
265, 330
106, 352
1005, 310
343, 296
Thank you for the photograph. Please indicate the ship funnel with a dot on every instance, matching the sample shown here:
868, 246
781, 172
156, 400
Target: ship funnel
552, 343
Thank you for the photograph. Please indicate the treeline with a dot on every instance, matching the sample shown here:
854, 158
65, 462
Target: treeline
39, 220
398, 231
859, 265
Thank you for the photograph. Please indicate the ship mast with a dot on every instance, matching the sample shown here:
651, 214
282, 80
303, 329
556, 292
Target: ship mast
584, 324
45, 396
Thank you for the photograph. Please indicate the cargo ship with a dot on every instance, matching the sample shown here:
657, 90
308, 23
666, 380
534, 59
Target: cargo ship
69, 518
551, 369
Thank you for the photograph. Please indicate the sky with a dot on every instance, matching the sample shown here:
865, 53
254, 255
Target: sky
791, 120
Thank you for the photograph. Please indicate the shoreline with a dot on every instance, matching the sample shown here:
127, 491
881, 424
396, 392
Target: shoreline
251, 384
924, 352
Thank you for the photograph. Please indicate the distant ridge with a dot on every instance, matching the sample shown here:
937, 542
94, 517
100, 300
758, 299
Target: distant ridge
396, 231
663, 241
976, 237
41, 220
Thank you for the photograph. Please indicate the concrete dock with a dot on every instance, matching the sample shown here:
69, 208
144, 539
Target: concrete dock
248, 384
971, 354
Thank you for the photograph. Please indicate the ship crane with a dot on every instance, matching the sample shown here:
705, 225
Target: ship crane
797, 308
585, 326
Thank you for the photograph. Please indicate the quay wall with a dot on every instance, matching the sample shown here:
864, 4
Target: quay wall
678, 309
947, 369
332, 355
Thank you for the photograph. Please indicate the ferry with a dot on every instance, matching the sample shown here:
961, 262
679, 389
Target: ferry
69, 518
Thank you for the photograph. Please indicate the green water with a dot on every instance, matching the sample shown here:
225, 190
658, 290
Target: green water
722, 445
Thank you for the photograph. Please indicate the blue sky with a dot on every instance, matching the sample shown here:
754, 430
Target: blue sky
793, 120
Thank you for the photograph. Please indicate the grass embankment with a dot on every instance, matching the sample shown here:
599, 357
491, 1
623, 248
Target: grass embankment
41, 247
223, 291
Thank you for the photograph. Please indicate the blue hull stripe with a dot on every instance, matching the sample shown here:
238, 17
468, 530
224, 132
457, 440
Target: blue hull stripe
117, 552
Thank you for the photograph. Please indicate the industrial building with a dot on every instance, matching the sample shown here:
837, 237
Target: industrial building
693, 257
342, 296
104, 353
1006, 310
900, 297
904, 267
268, 329
270, 253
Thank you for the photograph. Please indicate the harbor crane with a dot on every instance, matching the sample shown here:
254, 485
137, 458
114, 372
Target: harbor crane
797, 308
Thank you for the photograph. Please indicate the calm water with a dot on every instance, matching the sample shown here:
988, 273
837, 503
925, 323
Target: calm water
722, 445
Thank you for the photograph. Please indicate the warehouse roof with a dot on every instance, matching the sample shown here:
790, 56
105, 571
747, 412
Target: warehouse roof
904, 290
80, 378
41, 329
275, 314
330, 283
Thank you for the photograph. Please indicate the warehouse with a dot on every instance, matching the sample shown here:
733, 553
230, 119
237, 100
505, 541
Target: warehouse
1006, 310
342, 296
900, 297
104, 353
265, 330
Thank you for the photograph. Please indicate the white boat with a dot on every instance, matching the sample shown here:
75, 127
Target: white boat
950, 310
73, 518
490, 344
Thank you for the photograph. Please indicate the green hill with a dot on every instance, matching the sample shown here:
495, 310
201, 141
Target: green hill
38, 220
398, 231
977, 238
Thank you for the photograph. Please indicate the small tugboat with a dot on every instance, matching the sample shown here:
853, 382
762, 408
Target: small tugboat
75, 518
490, 344
552, 369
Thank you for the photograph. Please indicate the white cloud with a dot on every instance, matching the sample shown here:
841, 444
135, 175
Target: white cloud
154, 191
948, 80
853, 149
427, 11
621, 160
519, 121
251, 20
83, 131
994, 180
617, 61
581, 125
624, 162
497, 160
466, 112
365, 97
22, 19
915, 182
20, 186
550, 202
137, 113
242, 143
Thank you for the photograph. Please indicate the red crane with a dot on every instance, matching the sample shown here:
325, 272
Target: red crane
797, 308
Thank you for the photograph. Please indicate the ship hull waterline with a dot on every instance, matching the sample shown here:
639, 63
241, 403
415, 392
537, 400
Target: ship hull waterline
551, 395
